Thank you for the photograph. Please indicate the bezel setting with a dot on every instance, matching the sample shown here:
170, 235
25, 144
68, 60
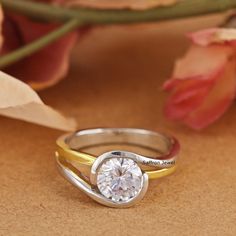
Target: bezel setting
134, 192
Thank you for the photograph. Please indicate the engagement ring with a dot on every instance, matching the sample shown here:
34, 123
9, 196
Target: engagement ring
115, 178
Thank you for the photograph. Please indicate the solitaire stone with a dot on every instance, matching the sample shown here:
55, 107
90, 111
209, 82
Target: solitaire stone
119, 179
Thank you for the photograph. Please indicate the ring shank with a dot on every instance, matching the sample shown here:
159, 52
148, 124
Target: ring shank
138, 137
69, 146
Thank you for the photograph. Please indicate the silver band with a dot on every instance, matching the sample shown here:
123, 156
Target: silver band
168, 147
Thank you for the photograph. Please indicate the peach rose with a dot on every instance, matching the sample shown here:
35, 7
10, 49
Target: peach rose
203, 84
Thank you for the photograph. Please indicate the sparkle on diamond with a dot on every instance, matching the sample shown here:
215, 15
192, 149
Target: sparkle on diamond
119, 179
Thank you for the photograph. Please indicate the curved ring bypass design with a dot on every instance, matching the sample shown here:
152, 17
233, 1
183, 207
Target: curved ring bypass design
116, 178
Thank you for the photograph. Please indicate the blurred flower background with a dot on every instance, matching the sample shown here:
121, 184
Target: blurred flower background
203, 84
36, 50
17, 31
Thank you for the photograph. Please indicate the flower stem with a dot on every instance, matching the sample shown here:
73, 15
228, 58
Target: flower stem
76, 17
181, 9
38, 44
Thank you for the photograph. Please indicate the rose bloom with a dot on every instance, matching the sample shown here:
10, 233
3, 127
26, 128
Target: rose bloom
203, 84
43, 68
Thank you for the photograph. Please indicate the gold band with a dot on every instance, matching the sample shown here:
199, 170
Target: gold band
84, 161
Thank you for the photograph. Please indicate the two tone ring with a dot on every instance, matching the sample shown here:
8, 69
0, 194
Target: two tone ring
113, 165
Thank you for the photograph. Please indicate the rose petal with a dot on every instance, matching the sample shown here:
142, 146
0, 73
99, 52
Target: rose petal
193, 79
201, 62
187, 97
45, 67
218, 100
214, 36
189, 76
19, 101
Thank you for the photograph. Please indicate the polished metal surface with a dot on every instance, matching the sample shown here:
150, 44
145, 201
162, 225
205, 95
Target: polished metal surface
92, 191
69, 151
168, 146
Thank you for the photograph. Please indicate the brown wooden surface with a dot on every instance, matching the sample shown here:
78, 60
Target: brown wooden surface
115, 81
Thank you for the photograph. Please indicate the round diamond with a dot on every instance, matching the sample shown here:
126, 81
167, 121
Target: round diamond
119, 179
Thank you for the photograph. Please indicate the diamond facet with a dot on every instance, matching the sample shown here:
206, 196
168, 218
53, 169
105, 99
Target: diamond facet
119, 179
